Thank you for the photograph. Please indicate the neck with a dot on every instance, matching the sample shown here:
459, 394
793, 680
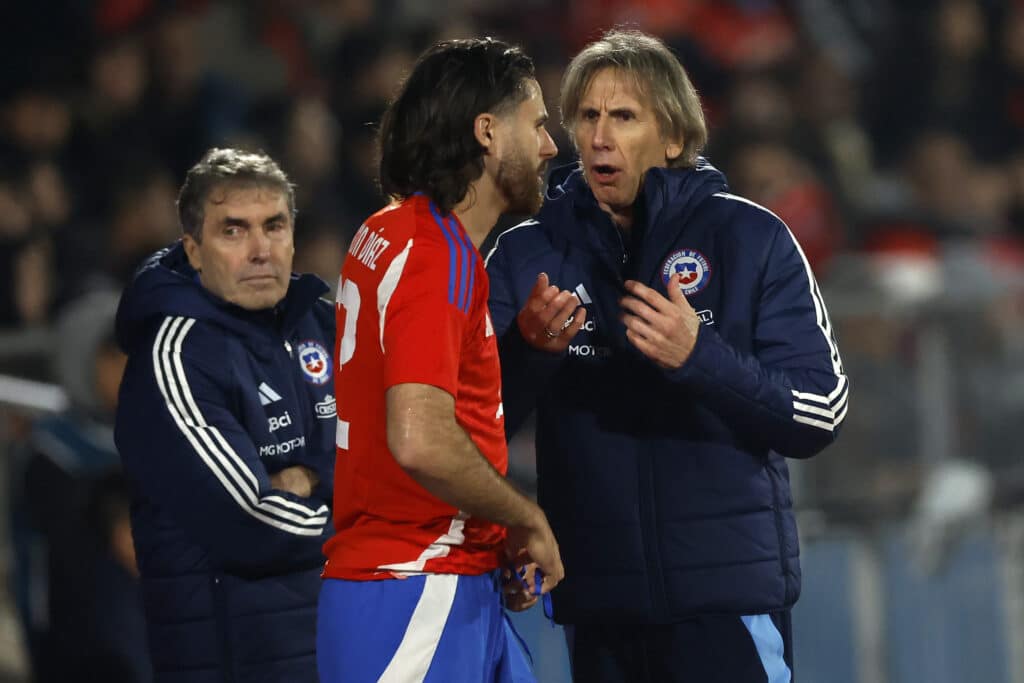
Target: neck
479, 209
622, 218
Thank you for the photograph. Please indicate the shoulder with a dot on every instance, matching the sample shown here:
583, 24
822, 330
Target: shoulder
745, 216
322, 316
413, 218
190, 340
178, 353
520, 241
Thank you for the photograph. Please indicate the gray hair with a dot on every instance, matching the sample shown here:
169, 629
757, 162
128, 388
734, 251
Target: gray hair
658, 76
234, 167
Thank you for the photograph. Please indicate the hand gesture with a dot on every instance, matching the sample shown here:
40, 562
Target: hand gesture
535, 543
297, 479
517, 587
664, 330
551, 317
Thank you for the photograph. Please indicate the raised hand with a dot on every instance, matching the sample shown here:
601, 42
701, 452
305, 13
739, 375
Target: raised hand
663, 329
551, 317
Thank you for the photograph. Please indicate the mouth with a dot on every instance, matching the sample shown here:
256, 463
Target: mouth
259, 279
604, 173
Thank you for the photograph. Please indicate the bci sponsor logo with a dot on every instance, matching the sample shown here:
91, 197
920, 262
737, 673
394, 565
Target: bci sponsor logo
275, 423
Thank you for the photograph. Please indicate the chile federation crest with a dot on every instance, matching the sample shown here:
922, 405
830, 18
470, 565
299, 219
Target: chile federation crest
694, 267
314, 361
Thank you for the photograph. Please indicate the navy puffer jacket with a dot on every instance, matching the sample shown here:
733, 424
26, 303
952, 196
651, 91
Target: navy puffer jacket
668, 490
214, 400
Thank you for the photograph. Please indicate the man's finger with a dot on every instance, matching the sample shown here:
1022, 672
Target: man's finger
675, 291
641, 343
637, 307
579, 319
641, 328
560, 310
652, 297
540, 285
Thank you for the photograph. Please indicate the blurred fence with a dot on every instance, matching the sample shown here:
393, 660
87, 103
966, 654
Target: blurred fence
912, 523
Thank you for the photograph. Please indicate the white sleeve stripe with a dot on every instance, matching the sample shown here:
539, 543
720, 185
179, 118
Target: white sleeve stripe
193, 418
812, 410
833, 416
388, 285
829, 400
827, 426
819, 410
198, 434
199, 425
841, 415
202, 427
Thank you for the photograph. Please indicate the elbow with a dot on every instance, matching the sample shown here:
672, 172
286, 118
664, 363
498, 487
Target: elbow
408, 448
805, 446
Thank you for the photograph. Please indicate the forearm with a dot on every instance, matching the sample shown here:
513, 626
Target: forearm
764, 403
458, 474
439, 455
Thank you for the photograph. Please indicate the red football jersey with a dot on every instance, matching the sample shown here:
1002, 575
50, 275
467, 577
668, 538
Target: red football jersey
411, 307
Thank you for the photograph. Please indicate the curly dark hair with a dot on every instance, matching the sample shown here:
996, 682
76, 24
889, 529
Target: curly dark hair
426, 134
227, 166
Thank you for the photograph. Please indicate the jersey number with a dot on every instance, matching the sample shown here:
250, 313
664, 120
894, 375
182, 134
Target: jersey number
348, 298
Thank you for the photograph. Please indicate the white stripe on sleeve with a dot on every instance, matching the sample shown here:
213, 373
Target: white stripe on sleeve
211, 446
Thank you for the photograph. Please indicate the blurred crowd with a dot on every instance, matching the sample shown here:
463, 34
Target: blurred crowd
868, 125
889, 135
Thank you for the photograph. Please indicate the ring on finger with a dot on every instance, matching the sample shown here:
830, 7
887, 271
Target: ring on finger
552, 335
567, 323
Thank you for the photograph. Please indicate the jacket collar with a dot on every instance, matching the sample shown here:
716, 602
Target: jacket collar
668, 198
167, 285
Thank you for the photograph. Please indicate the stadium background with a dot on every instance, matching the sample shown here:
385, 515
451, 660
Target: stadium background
888, 134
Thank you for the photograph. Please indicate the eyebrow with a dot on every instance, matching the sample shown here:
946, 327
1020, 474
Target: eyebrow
242, 222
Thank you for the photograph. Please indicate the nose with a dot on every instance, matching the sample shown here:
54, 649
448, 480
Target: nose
548, 149
602, 133
259, 246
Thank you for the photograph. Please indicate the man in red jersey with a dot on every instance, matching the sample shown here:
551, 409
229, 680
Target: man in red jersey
424, 516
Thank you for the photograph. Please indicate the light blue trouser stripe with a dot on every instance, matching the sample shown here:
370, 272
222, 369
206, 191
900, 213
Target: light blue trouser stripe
770, 647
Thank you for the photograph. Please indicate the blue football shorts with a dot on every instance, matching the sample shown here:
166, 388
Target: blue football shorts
442, 628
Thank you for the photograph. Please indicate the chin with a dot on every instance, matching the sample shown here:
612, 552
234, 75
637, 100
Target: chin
260, 301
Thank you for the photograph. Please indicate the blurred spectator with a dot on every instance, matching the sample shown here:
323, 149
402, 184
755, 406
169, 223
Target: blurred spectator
112, 125
1010, 99
25, 257
952, 190
75, 630
937, 70
774, 176
139, 218
191, 108
882, 130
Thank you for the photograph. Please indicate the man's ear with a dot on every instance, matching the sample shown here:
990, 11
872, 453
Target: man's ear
195, 258
673, 149
483, 131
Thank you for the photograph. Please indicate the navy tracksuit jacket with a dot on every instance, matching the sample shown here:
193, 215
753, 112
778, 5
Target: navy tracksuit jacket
214, 400
668, 491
